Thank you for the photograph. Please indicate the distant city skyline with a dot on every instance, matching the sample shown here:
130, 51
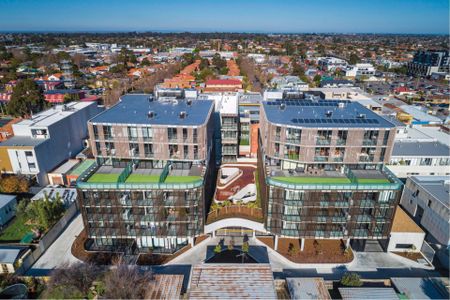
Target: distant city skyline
263, 16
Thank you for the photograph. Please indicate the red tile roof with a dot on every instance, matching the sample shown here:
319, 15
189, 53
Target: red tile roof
223, 82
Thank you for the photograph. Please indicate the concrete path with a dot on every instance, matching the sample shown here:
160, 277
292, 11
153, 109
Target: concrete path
59, 252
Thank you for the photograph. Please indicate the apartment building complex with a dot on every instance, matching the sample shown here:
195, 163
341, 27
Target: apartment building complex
46, 140
322, 171
425, 63
153, 174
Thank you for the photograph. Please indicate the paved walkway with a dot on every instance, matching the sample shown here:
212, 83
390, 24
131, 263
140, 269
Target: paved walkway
59, 252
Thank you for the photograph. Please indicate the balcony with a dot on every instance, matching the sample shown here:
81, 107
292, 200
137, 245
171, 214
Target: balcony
321, 158
370, 142
341, 142
323, 141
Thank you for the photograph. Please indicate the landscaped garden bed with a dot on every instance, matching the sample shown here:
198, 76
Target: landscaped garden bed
313, 180
315, 251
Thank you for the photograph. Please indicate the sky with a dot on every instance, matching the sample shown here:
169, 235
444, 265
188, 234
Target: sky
290, 16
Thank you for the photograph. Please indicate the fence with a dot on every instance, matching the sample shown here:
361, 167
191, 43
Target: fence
48, 239
235, 211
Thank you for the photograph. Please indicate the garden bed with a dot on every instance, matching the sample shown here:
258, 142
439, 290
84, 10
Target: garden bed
326, 251
414, 256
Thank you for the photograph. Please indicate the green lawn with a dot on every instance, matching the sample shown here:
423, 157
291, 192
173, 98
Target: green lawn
15, 230
103, 178
139, 178
313, 180
372, 180
181, 179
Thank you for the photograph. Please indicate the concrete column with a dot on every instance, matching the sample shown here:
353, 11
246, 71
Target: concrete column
275, 245
214, 234
348, 243
254, 233
302, 244
191, 241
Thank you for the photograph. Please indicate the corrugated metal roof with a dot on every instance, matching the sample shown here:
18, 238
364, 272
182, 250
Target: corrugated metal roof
165, 287
422, 288
232, 281
307, 288
368, 293
415, 148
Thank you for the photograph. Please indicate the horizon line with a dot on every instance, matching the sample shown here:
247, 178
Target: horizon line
75, 31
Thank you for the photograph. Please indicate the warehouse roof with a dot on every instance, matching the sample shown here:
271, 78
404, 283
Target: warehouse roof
416, 148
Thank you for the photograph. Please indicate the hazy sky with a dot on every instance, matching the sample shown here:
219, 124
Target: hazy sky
342, 16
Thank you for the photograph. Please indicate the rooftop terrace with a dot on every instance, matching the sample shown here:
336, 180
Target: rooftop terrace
134, 177
135, 108
313, 178
323, 114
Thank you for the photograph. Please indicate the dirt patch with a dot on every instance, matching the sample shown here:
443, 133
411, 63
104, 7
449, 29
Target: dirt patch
159, 259
414, 256
266, 240
315, 251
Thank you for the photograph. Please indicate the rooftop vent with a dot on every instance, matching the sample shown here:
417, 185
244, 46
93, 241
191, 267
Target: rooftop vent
341, 105
151, 114
329, 113
182, 114
361, 116
150, 99
282, 106
189, 102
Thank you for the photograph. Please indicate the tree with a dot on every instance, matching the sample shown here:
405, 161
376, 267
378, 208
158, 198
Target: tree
126, 282
26, 98
354, 59
45, 213
218, 248
292, 250
14, 184
218, 62
71, 281
317, 79
351, 279
71, 97
297, 69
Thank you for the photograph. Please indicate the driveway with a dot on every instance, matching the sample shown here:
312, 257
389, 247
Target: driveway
59, 252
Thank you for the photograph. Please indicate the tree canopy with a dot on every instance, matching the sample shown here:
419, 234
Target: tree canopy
26, 98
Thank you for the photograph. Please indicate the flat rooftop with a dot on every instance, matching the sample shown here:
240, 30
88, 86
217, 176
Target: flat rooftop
134, 109
416, 148
438, 186
323, 114
54, 114
6, 199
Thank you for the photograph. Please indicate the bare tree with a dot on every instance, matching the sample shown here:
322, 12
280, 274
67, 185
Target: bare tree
72, 281
126, 282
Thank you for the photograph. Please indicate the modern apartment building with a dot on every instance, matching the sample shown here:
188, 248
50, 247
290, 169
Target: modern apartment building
153, 174
427, 200
322, 173
425, 63
47, 140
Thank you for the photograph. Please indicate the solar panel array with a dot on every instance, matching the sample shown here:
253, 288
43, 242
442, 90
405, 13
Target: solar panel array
329, 103
334, 121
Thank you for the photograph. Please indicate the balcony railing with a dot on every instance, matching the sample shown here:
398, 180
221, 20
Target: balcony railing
235, 211
321, 158
323, 141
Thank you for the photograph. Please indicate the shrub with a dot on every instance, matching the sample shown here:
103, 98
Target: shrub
292, 250
218, 248
245, 247
351, 279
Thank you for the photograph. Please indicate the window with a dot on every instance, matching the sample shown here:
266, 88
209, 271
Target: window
172, 134
28, 153
195, 135
425, 162
185, 134
404, 246
95, 129
342, 137
31, 166
186, 151
107, 132
385, 138
132, 133
134, 149
147, 133
148, 150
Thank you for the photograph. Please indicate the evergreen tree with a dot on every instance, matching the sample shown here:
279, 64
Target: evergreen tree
26, 98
